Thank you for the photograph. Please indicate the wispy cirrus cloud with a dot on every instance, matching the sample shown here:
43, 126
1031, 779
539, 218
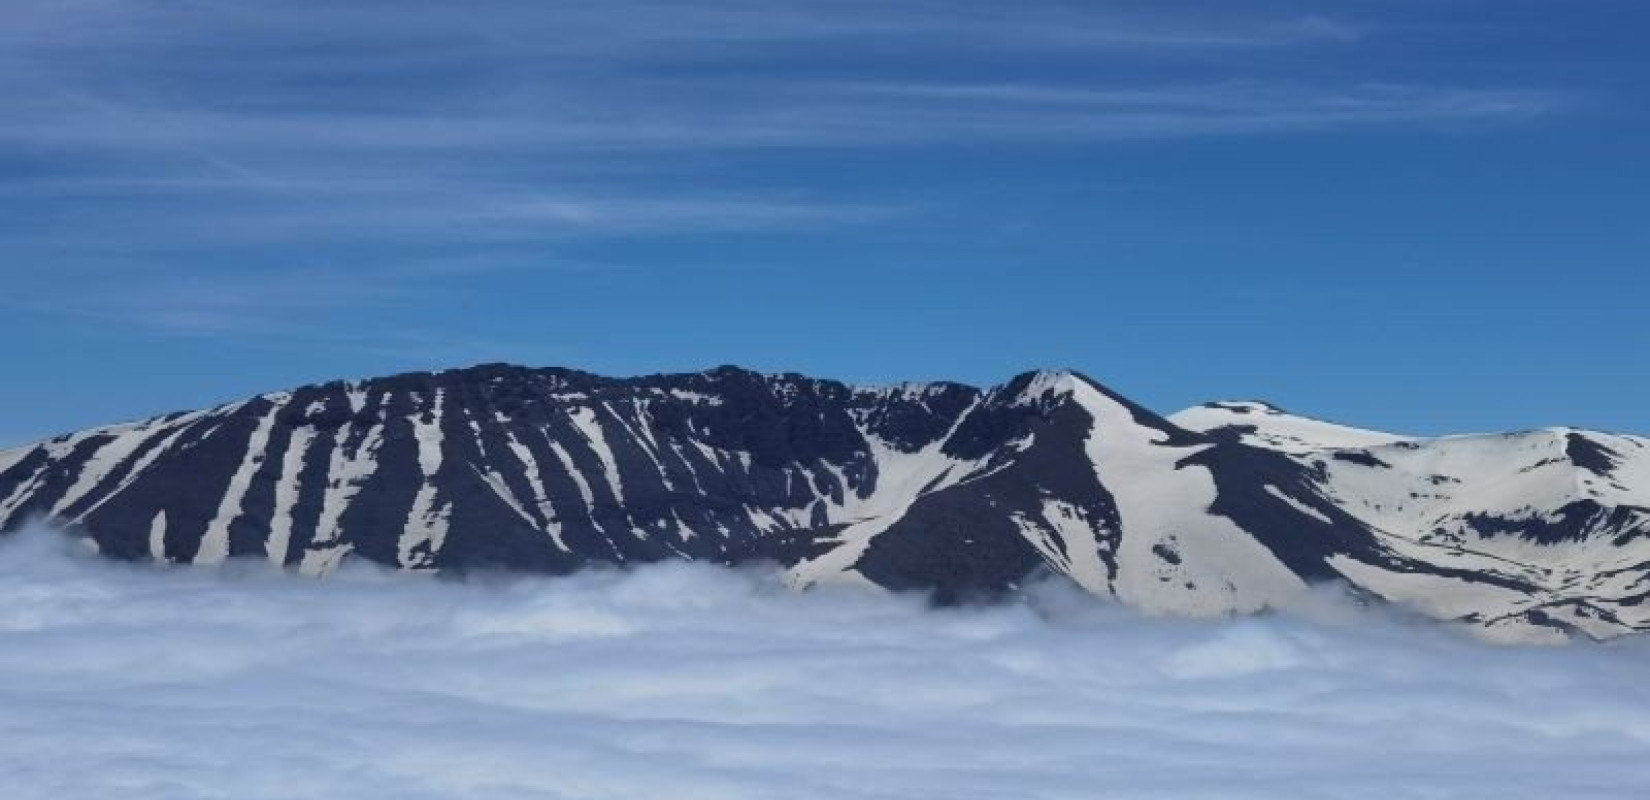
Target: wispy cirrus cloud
245, 87
249, 142
655, 28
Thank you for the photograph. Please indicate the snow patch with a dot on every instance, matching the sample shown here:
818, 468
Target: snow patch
1218, 567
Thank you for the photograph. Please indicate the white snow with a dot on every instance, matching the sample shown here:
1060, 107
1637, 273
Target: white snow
1434, 484
427, 522
901, 480
286, 495
1048, 386
1439, 596
1066, 538
1278, 430
178, 428
495, 481
217, 418
1222, 568
541, 498
1298, 505
1418, 505
322, 558
157, 537
1422, 493
109, 456
693, 474
567, 467
347, 471
214, 543
357, 396
586, 419
55, 449
699, 398
682, 528
642, 435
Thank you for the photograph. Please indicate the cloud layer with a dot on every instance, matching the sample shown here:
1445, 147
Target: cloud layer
683, 681
241, 143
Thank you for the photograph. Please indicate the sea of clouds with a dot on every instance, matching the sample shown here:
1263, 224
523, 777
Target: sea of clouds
682, 681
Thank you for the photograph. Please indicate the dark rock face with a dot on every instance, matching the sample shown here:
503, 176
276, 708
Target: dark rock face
960, 491
526, 469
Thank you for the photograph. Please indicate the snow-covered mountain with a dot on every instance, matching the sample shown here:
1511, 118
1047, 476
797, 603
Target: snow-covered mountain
1553, 526
965, 492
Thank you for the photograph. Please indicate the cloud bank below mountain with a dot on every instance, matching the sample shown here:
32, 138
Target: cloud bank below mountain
687, 681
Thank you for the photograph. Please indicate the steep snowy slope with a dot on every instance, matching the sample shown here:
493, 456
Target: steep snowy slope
942, 487
1266, 425
1564, 510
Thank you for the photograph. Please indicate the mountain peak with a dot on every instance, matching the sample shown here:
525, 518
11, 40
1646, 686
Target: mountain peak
943, 487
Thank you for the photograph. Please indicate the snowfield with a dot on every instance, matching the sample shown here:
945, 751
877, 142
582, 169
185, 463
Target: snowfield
689, 681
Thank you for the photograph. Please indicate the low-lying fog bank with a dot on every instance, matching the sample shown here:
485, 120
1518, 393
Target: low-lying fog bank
684, 681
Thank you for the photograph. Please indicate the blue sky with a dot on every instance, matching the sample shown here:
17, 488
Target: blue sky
1423, 216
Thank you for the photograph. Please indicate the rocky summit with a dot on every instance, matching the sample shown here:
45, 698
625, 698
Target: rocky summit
960, 491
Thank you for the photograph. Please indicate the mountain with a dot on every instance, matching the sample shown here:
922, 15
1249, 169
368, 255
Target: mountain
961, 491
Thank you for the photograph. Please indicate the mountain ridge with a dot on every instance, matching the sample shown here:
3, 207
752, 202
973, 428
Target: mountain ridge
962, 491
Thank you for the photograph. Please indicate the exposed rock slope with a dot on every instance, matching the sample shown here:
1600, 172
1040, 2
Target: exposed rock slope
1230, 507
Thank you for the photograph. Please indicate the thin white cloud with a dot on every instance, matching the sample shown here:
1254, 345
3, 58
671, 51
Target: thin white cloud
243, 85
763, 113
263, 138
684, 681
656, 27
